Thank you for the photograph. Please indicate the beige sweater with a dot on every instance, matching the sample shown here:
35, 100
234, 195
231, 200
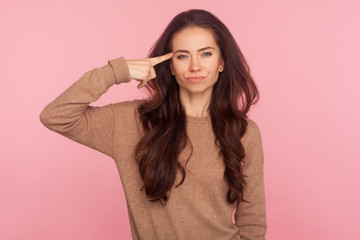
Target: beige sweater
198, 209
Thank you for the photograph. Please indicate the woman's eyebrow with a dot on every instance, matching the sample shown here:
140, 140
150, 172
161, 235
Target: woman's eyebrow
200, 50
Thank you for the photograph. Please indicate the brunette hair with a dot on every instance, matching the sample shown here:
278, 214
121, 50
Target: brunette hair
164, 119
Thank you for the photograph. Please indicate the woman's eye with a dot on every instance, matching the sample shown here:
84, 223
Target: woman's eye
181, 57
207, 54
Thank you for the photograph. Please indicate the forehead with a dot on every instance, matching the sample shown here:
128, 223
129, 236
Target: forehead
193, 38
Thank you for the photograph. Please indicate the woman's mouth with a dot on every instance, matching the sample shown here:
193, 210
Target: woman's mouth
195, 79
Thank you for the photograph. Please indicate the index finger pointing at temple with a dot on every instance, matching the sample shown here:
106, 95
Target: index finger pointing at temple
160, 59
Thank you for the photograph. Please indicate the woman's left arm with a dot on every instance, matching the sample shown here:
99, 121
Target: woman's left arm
250, 214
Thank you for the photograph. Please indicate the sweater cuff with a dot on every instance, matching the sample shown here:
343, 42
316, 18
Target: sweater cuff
120, 69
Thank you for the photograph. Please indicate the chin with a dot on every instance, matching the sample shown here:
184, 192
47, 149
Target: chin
196, 90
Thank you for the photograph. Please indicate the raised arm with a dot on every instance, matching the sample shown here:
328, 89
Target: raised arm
70, 114
250, 216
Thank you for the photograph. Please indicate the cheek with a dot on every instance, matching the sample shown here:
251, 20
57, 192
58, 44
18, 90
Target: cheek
179, 67
214, 65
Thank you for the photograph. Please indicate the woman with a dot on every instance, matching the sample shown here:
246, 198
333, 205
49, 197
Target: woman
188, 157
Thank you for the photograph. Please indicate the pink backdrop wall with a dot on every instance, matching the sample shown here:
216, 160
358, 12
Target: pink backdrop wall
304, 56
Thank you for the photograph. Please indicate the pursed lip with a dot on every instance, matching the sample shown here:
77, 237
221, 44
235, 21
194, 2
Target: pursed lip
195, 79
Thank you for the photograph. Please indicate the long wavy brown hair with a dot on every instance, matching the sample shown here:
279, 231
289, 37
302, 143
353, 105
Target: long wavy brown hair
164, 119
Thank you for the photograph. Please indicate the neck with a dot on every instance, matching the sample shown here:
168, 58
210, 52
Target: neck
196, 104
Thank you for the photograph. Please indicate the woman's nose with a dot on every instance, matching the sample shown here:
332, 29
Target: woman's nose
194, 65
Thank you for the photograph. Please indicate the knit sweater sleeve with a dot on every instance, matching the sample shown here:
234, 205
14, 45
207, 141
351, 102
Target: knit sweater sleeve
71, 115
250, 214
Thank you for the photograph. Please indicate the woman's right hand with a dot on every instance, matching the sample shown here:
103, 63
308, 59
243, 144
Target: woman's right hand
143, 70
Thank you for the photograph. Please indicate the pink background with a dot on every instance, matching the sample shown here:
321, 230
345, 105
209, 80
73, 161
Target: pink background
304, 56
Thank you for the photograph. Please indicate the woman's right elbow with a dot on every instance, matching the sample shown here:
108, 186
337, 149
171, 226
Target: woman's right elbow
49, 120
45, 118
56, 122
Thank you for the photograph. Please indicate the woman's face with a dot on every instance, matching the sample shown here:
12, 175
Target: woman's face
197, 60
